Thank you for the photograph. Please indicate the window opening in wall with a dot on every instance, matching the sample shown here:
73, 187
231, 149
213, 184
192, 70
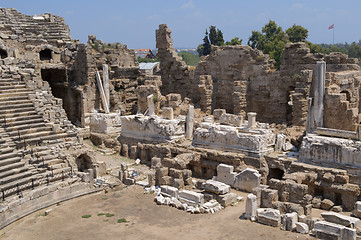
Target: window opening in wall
45, 55
3, 53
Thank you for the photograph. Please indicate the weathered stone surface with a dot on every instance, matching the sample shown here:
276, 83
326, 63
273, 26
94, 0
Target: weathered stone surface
268, 197
251, 206
326, 204
269, 216
225, 174
216, 187
302, 228
357, 209
169, 191
226, 199
191, 198
247, 180
341, 219
291, 219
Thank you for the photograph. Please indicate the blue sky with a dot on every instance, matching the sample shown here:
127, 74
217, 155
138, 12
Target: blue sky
133, 22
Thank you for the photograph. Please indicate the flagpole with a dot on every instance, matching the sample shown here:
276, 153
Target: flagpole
333, 36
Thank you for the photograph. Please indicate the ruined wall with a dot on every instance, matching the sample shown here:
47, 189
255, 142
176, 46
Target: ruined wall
241, 79
175, 72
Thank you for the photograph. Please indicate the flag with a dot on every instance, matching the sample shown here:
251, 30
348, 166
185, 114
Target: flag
332, 26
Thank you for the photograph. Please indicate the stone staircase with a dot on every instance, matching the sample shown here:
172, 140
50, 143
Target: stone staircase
31, 149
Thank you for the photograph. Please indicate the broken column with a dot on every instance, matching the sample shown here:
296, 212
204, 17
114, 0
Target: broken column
106, 83
319, 91
251, 207
190, 122
251, 119
102, 94
151, 108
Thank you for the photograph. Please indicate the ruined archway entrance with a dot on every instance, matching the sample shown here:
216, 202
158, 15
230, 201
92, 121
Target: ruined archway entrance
57, 80
83, 162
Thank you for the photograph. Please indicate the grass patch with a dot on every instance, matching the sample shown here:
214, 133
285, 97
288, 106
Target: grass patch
122, 220
109, 215
86, 216
101, 214
104, 198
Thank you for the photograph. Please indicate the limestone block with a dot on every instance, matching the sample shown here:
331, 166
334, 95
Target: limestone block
133, 152
188, 181
230, 119
348, 234
155, 162
187, 173
166, 180
341, 219
167, 112
216, 187
225, 174
357, 209
191, 198
226, 199
175, 173
268, 197
302, 228
291, 219
327, 230
169, 191
178, 182
217, 113
151, 179
247, 180
269, 216
280, 142
161, 172
326, 204
251, 206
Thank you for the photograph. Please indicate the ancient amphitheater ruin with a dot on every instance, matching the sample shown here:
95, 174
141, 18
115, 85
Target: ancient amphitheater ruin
291, 138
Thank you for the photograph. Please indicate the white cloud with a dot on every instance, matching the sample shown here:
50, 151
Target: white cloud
189, 4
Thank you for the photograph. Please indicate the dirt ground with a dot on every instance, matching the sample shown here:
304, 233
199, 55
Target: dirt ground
144, 220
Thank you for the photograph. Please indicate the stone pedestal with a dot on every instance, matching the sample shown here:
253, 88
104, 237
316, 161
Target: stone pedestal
252, 119
167, 113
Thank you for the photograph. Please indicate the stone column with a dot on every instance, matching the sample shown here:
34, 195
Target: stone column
91, 176
106, 83
252, 119
251, 207
101, 91
319, 91
151, 108
190, 122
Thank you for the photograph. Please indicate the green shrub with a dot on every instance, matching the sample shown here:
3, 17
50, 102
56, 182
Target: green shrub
86, 216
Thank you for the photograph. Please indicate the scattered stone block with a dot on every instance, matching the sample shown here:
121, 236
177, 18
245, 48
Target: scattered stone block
151, 179
269, 196
226, 199
251, 206
166, 180
357, 209
326, 204
316, 202
225, 174
190, 197
216, 187
336, 209
247, 180
302, 228
269, 216
341, 219
291, 219
155, 162
175, 173
348, 234
169, 191
327, 230
178, 182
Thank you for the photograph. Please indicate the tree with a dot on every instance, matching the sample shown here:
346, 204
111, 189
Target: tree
271, 41
219, 38
354, 50
234, 41
206, 46
297, 33
213, 35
